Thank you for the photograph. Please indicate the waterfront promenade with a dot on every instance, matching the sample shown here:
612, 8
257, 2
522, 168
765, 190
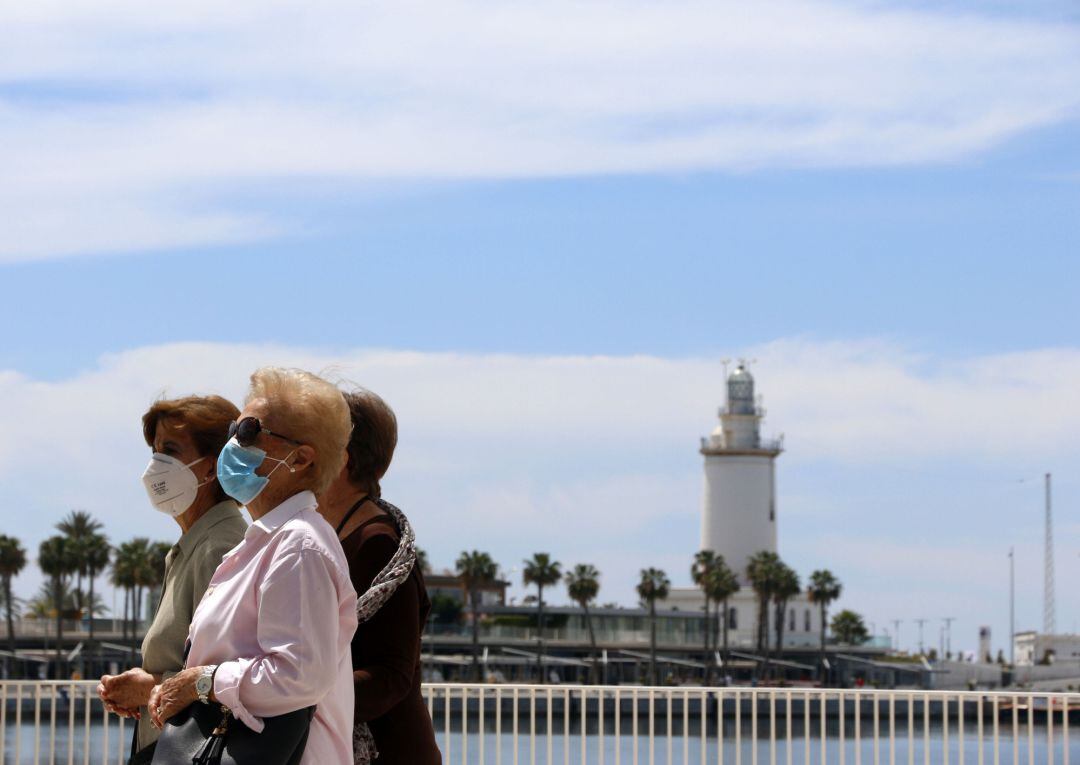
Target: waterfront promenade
63, 722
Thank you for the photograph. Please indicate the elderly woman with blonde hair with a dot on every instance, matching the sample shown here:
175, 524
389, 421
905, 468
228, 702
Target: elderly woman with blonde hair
271, 637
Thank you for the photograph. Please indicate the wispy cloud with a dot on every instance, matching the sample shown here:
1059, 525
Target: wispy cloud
123, 126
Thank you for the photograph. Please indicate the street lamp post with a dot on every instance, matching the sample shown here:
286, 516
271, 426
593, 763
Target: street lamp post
1012, 608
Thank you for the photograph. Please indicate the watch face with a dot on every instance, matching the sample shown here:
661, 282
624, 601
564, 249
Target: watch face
203, 684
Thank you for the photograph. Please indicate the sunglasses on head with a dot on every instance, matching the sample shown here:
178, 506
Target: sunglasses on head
245, 432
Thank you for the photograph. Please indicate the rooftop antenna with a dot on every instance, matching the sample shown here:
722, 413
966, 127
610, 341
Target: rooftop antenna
726, 363
921, 622
1049, 626
948, 633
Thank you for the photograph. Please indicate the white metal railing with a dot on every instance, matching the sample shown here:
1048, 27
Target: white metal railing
64, 722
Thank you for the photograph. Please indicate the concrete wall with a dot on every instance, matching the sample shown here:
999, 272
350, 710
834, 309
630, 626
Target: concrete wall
739, 514
957, 675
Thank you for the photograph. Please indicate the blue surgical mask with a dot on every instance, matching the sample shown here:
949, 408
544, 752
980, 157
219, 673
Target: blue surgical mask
236, 467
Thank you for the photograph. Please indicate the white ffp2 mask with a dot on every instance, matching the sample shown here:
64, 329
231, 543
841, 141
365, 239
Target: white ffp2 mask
170, 484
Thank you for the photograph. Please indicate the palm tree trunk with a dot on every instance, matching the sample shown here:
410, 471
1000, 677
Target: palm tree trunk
10, 622
474, 599
540, 633
726, 619
708, 634
58, 603
134, 620
595, 673
780, 609
652, 641
90, 575
763, 630
821, 662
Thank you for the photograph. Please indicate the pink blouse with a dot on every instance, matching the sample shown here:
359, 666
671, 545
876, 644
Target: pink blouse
277, 619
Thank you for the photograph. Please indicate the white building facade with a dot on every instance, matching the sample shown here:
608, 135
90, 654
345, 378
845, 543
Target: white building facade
1033, 648
739, 515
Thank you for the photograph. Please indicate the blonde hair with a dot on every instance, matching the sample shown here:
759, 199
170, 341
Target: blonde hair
311, 410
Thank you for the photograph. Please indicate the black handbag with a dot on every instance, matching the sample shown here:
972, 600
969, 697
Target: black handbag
208, 734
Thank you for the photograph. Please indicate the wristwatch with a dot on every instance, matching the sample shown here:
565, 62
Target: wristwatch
204, 683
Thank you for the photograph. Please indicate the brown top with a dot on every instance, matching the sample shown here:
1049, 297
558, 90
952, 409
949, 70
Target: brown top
386, 652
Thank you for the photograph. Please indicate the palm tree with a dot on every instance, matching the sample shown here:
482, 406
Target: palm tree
786, 587
824, 589
123, 577
12, 561
79, 527
761, 570
849, 628
654, 586
721, 585
57, 562
146, 572
156, 556
96, 553
41, 605
700, 571
134, 569
476, 570
542, 571
583, 584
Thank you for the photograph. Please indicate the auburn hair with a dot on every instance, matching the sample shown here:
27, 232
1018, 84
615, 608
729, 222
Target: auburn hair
206, 418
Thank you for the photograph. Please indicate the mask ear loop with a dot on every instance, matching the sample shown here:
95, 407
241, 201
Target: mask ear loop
213, 474
281, 462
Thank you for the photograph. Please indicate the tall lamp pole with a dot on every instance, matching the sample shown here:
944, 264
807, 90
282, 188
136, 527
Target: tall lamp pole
1012, 608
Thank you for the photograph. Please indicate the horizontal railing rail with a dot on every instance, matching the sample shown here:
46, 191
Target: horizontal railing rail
65, 722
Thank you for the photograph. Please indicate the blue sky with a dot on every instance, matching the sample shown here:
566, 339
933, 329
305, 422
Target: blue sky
971, 257
538, 239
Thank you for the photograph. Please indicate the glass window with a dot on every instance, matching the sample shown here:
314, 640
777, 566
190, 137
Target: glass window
806, 620
733, 618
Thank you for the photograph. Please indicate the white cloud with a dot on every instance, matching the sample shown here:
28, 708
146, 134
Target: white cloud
107, 107
594, 458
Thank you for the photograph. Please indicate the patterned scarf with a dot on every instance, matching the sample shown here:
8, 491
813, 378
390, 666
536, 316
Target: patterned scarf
382, 588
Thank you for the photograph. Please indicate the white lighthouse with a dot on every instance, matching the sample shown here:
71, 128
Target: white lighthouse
739, 514
739, 518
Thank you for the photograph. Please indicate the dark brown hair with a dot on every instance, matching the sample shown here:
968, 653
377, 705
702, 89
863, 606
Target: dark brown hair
373, 440
206, 418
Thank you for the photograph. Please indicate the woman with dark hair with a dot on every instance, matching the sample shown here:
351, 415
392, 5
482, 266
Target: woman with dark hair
185, 435
392, 609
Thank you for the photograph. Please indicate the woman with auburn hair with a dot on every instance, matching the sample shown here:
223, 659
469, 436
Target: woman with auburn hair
392, 721
185, 435
270, 639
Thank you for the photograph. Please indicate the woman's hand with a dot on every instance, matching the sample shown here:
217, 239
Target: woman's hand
123, 694
173, 695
